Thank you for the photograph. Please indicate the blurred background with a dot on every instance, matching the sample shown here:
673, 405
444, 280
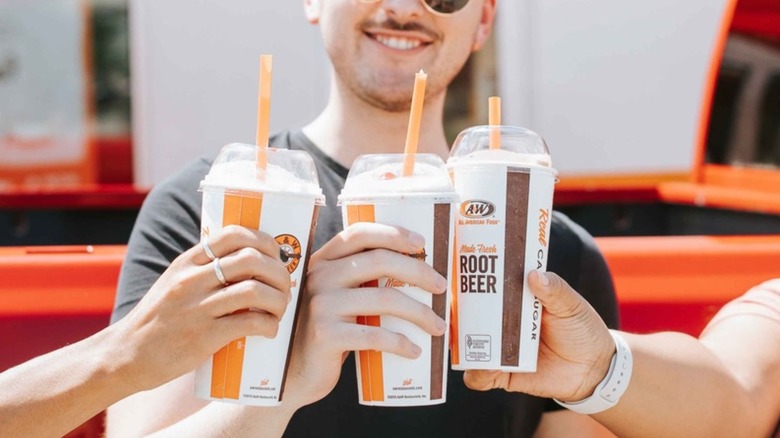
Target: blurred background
663, 119
101, 99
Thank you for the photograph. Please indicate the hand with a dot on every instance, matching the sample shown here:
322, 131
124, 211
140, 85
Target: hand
574, 353
188, 314
333, 299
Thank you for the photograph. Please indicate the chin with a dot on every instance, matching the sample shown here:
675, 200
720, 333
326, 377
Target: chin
391, 94
394, 105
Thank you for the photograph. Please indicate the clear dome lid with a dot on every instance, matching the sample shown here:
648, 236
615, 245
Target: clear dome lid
288, 171
517, 145
377, 176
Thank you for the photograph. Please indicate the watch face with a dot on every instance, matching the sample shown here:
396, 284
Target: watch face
290, 251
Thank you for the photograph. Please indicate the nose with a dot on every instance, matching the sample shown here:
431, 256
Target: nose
403, 10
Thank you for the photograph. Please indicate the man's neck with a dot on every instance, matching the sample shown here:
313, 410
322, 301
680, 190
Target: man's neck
349, 126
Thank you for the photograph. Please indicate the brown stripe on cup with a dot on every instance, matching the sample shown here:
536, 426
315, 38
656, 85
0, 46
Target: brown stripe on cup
441, 254
517, 186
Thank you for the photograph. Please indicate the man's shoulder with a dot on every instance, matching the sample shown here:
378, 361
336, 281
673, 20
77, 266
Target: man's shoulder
184, 183
287, 139
575, 256
566, 232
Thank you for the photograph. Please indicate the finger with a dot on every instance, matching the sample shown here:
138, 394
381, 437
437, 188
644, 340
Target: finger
387, 301
481, 380
557, 297
238, 325
245, 264
248, 294
365, 235
232, 238
357, 337
354, 270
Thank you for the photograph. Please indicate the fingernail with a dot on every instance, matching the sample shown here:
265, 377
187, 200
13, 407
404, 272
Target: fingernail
441, 325
440, 282
544, 279
416, 239
417, 351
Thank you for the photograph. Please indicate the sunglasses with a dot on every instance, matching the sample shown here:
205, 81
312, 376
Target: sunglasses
437, 7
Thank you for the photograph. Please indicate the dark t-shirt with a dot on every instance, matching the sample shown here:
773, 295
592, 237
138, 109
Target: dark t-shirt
169, 224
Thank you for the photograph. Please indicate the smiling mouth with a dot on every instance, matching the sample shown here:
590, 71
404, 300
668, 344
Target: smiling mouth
397, 42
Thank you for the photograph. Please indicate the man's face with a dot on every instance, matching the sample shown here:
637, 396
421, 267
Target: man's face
377, 48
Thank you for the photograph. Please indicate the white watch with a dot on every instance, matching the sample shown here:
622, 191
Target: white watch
609, 390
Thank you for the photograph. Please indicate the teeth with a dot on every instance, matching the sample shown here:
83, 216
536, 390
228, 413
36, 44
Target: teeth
399, 43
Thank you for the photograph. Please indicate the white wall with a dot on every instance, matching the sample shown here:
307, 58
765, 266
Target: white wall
614, 87
43, 110
194, 76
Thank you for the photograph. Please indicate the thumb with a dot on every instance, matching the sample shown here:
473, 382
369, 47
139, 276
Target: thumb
557, 297
481, 380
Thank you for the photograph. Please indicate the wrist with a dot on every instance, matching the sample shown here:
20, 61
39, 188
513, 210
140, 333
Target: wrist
108, 364
118, 364
600, 369
608, 391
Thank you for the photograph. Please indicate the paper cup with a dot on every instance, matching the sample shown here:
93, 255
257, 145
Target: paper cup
284, 203
423, 203
502, 232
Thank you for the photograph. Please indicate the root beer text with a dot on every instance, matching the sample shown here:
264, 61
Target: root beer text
478, 269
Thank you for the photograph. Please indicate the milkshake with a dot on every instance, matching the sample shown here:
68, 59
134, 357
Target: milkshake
282, 200
502, 230
377, 191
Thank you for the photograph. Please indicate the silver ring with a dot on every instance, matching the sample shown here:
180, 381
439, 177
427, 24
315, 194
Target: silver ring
218, 272
207, 249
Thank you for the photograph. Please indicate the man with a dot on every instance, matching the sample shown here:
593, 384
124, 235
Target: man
726, 383
375, 48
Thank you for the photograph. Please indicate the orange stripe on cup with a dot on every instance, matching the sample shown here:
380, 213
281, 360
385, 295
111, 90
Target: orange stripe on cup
374, 369
371, 373
218, 368
228, 362
454, 276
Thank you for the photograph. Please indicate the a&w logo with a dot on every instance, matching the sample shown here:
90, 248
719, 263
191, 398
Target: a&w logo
477, 208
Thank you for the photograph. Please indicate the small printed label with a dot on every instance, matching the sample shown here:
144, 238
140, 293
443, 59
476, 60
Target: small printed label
478, 348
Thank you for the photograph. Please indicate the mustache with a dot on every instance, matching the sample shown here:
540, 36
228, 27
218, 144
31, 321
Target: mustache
391, 23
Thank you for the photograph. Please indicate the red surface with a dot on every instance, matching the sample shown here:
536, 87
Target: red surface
114, 188
115, 160
58, 281
565, 196
679, 282
757, 17
50, 297
103, 196
714, 196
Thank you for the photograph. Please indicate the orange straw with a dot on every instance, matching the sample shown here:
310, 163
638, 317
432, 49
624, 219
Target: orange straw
494, 116
263, 111
413, 134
